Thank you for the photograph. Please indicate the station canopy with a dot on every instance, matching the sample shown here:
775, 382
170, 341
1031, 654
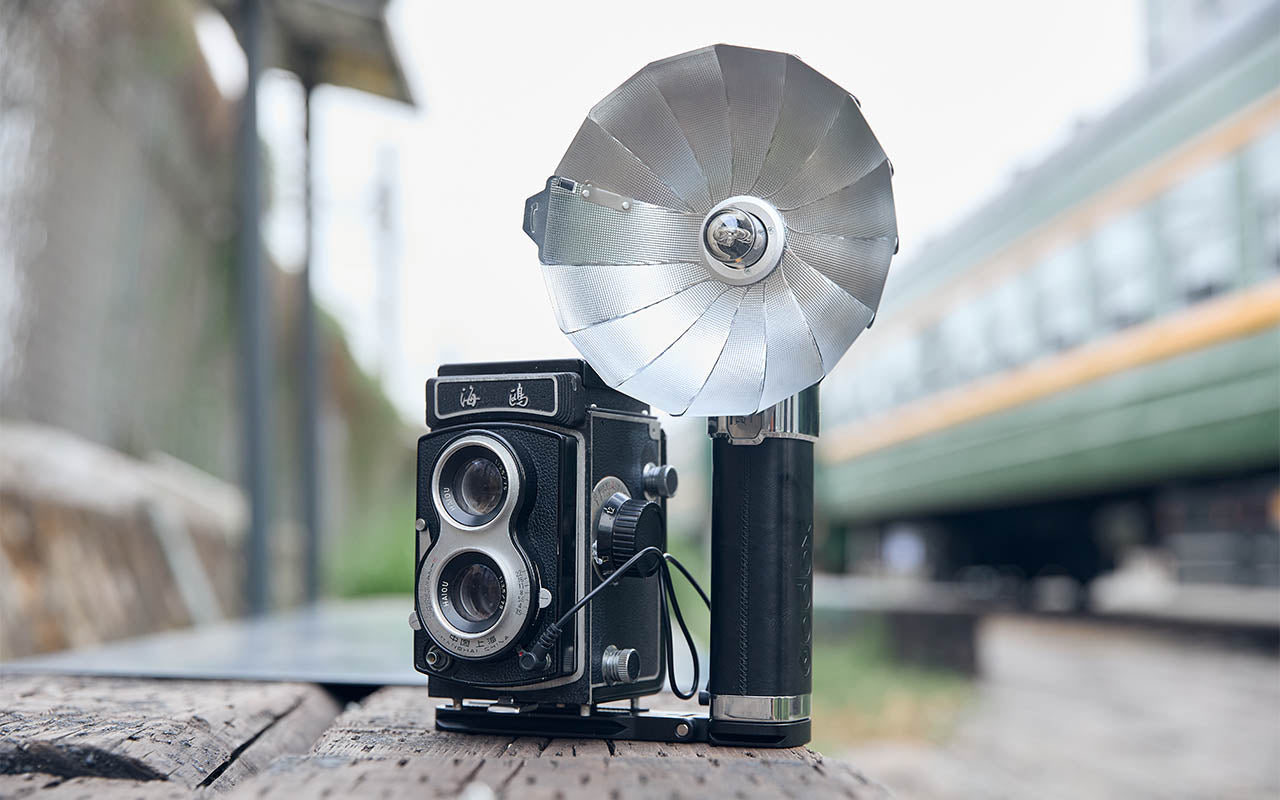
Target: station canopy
338, 42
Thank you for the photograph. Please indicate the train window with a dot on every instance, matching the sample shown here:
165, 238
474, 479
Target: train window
1200, 231
878, 392
859, 394
1013, 322
902, 369
964, 331
847, 392
1063, 303
1125, 253
889, 388
1264, 166
840, 392
935, 360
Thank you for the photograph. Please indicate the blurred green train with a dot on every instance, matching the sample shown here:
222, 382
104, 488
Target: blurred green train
1091, 362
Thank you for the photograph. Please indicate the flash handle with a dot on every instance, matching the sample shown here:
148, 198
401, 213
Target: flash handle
761, 668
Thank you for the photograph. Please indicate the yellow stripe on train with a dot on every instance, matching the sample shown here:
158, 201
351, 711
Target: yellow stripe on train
1231, 316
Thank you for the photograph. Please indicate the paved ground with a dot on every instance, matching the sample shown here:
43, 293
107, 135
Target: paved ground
1070, 710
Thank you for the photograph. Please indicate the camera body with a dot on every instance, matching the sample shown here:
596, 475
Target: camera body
523, 461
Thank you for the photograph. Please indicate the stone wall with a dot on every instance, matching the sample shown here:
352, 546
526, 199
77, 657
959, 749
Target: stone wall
118, 302
95, 545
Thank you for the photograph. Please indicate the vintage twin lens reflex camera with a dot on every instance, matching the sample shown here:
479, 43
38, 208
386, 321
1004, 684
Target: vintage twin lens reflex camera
535, 483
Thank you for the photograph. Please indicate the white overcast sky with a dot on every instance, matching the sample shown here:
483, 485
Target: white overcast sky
961, 95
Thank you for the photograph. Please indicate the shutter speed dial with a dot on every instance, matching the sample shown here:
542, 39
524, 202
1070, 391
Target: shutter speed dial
624, 528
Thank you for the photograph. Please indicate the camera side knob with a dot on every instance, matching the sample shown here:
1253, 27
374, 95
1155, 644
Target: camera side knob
625, 528
660, 481
620, 665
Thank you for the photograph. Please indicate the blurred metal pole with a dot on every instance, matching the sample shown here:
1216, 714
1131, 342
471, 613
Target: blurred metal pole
310, 387
387, 295
255, 323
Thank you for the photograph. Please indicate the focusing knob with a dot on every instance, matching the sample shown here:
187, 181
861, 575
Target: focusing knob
660, 481
625, 528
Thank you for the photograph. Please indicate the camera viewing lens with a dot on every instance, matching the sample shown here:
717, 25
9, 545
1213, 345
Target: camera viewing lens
479, 595
472, 483
479, 486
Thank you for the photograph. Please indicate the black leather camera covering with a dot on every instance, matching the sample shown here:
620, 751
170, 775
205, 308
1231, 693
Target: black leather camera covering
626, 615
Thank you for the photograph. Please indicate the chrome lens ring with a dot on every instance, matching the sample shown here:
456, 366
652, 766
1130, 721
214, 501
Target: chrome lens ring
475, 587
472, 485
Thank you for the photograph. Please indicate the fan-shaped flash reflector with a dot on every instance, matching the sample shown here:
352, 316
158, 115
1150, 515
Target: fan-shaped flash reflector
718, 232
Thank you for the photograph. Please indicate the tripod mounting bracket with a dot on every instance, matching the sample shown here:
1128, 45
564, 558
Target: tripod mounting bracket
617, 723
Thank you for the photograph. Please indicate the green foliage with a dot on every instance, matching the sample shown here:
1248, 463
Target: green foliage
376, 556
694, 557
860, 692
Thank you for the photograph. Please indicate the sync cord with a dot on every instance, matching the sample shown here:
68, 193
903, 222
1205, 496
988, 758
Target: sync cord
536, 655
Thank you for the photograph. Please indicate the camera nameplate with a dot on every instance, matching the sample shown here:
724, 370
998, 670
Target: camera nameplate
553, 397
509, 399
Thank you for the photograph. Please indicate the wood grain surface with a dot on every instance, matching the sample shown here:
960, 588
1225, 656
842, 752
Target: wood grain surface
63, 737
192, 734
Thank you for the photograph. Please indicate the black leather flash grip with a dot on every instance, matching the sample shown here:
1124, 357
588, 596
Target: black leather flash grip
761, 592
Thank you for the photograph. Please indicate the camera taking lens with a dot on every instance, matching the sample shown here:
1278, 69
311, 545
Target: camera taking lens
471, 593
479, 594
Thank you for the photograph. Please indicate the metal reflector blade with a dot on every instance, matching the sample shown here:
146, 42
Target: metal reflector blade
736, 381
864, 209
848, 151
597, 158
674, 377
623, 346
582, 232
810, 104
637, 115
835, 317
858, 266
791, 354
590, 294
694, 90
753, 81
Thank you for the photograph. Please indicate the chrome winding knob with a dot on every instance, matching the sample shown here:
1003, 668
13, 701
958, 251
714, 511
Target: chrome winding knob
620, 666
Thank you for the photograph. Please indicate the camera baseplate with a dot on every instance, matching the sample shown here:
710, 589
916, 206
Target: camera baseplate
634, 724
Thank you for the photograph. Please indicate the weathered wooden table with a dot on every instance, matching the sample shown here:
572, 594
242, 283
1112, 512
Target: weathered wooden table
116, 737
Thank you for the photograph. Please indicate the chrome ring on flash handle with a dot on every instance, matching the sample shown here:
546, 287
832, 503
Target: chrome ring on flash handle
754, 708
